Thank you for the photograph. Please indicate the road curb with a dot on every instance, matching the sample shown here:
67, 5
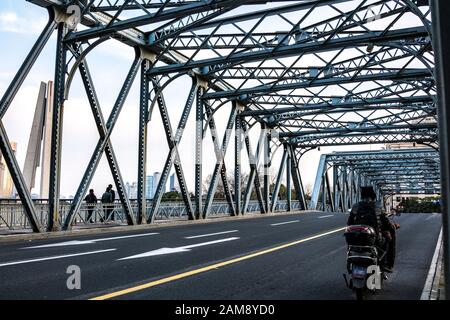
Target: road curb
431, 290
110, 229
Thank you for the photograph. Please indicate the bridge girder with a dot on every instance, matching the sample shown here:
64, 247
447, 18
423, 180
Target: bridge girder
309, 73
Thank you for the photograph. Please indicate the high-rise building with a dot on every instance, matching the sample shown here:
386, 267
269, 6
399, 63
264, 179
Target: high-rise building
39, 143
174, 185
128, 189
149, 187
131, 190
156, 178
6, 182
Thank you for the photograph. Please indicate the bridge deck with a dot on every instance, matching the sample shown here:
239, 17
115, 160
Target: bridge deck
306, 268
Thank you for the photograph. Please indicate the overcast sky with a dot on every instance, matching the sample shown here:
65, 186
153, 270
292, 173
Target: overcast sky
20, 25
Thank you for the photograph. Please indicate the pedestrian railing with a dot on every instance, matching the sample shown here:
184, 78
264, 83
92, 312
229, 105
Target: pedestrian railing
12, 215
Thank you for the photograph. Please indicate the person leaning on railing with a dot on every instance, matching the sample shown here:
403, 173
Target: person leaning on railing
91, 201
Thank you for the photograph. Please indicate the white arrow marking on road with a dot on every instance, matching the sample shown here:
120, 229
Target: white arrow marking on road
82, 242
281, 223
163, 251
323, 217
211, 234
53, 258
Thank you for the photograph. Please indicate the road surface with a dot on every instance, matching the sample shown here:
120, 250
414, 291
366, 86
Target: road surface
295, 256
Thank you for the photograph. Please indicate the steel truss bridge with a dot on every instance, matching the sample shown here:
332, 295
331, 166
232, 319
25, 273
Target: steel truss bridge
414, 171
301, 74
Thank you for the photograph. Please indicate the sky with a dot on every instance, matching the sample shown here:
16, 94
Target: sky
20, 25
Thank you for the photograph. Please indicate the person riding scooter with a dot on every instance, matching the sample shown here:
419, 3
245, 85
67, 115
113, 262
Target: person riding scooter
368, 212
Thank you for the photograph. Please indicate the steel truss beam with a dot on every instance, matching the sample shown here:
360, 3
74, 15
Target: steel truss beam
5, 102
294, 50
219, 157
102, 143
144, 117
57, 122
382, 169
333, 81
173, 158
219, 168
109, 151
253, 178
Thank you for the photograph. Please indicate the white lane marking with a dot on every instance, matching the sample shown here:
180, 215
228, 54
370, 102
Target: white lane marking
53, 257
426, 292
82, 242
162, 251
211, 234
323, 217
433, 215
282, 223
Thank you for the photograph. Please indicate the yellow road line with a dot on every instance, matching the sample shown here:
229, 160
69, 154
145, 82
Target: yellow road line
208, 268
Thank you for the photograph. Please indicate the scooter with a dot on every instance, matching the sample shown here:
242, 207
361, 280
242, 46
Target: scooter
364, 260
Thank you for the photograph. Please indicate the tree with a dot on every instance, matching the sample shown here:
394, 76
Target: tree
171, 196
427, 205
220, 193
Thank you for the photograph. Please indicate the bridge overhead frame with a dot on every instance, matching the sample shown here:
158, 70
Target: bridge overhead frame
413, 171
362, 73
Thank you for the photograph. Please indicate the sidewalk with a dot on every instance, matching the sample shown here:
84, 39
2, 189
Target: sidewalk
18, 235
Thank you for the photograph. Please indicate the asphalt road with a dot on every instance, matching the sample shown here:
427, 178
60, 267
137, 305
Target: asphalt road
298, 256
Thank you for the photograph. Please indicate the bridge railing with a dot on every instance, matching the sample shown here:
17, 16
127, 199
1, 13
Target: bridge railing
12, 215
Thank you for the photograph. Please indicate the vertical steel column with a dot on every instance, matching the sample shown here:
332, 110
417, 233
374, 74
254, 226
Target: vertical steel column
336, 186
199, 152
253, 178
267, 164
318, 182
57, 119
441, 43
296, 178
237, 160
345, 187
276, 189
288, 180
324, 191
28, 63
142, 151
328, 191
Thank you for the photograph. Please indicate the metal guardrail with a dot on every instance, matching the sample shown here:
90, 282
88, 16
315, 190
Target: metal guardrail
12, 216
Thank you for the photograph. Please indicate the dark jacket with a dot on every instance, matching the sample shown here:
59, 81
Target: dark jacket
379, 221
113, 195
107, 197
91, 198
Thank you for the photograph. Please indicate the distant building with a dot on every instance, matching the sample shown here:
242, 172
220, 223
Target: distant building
149, 187
174, 185
131, 190
156, 178
39, 144
151, 183
6, 182
127, 189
